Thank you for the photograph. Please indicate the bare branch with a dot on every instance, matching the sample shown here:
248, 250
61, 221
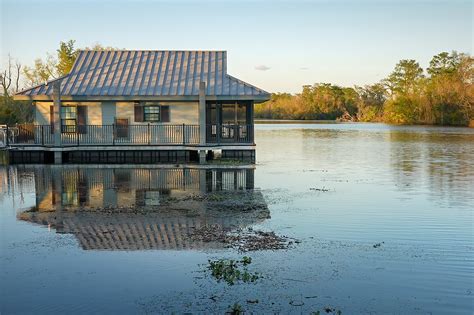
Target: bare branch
17, 76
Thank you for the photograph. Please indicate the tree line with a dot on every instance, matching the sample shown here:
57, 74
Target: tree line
441, 95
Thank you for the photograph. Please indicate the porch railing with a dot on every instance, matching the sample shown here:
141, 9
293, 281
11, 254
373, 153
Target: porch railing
227, 133
115, 134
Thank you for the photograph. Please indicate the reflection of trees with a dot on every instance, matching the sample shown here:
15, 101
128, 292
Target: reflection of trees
14, 184
442, 163
149, 208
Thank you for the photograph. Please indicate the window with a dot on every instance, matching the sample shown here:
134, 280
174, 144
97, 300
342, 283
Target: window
68, 119
151, 113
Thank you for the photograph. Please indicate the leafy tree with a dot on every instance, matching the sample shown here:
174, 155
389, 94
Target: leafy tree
406, 84
66, 57
372, 101
406, 77
450, 90
52, 67
444, 63
42, 71
100, 47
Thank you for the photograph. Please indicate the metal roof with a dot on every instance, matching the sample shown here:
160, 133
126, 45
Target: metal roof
145, 73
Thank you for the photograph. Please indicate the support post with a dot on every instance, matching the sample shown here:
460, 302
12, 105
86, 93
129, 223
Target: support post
57, 120
57, 190
219, 122
113, 133
250, 121
202, 113
203, 180
149, 134
184, 134
58, 157
202, 156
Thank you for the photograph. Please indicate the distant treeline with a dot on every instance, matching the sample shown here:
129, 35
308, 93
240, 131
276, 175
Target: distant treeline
443, 95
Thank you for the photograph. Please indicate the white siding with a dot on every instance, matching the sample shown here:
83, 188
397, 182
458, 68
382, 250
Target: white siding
42, 113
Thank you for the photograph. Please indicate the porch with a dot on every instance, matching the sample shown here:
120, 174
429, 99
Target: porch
31, 135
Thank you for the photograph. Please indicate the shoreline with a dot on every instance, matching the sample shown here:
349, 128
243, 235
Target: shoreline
302, 121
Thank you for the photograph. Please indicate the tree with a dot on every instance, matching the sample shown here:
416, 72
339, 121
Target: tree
372, 100
67, 55
12, 111
9, 76
100, 47
52, 67
444, 63
450, 90
406, 77
406, 84
41, 72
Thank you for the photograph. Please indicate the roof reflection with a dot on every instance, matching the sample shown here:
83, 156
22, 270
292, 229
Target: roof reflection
143, 208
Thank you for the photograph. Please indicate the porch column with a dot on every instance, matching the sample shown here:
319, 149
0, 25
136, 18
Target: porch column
250, 121
202, 121
57, 120
57, 191
202, 113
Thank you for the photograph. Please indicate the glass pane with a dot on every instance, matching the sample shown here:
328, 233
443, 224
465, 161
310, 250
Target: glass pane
68, 112
69, 122
242, 114
68, 125
228, 113
151, 113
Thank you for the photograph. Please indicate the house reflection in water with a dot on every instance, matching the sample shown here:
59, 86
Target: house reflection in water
143, 208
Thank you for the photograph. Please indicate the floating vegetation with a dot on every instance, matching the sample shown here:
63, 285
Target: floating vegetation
235, 309
327, 310
242, 239
319, 189
232, 271
378, 245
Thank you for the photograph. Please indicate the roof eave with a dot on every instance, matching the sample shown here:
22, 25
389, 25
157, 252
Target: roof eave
255, 98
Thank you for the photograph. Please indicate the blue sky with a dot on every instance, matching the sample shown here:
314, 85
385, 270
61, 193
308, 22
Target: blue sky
276, 45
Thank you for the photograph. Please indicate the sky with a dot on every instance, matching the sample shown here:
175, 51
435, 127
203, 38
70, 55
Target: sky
276, 45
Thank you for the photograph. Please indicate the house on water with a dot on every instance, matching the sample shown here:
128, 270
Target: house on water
129, 106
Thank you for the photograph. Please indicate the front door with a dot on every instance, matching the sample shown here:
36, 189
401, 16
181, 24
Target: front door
121, 132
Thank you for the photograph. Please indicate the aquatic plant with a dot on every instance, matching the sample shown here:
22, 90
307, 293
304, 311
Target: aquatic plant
232, 271
235, 309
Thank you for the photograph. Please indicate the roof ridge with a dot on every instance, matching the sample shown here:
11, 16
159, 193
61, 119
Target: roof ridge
155, 50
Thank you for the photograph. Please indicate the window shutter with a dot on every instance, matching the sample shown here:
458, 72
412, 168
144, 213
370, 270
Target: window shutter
138, 113
51, 119
165, 113
82, 119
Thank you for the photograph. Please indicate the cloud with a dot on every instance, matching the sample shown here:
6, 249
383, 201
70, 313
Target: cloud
262, 68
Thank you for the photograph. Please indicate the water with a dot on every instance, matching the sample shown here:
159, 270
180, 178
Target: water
338, 188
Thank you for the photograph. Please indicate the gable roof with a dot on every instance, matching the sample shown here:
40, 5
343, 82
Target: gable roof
137, 74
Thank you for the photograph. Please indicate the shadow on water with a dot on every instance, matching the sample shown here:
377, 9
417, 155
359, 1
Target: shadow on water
143, 208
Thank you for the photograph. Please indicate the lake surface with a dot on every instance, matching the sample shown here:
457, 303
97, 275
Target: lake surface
384, 216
